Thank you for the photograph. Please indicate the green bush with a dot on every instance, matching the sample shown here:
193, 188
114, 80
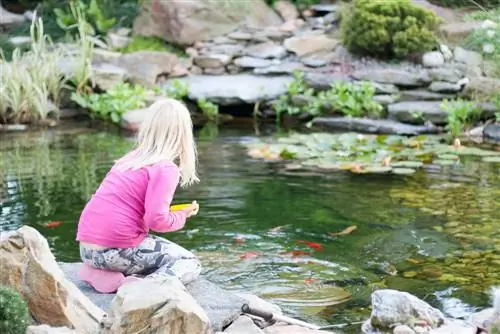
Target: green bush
463, 3
14, 313
385, 29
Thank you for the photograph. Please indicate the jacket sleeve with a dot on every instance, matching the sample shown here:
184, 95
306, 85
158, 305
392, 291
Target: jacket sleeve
163, 181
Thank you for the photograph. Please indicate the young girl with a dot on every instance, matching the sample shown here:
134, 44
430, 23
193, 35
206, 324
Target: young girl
135, 198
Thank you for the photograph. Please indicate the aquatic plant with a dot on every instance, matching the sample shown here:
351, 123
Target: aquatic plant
362, 154
459, 114
388, 29
14, 313
31, 81
209, 109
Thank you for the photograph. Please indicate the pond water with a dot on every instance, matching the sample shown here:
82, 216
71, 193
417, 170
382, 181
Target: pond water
434, 233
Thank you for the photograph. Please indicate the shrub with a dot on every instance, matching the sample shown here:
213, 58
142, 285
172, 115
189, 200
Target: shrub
386, 29
14, 313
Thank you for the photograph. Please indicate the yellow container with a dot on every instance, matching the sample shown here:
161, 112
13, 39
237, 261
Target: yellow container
178, 207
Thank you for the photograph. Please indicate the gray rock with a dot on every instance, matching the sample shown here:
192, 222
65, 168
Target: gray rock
252, 62
322, 81
491, 132
378, 126
266, 50
325, 8
446, 51
444, 87
385, 88
286, 9
258, 303
224, 40
403, 329
243, 325
448, 74
481, 86
235, 89
307, 44
452, 326
224, 49
20, 40
8, 18
391, 307
214, 71
240, 36
117, 41
406, 111
422, 95
131, 120
433, 59
212, 61
313, 61
470, 58
46, 329
279, 69
391, 76
385, 99
106, 75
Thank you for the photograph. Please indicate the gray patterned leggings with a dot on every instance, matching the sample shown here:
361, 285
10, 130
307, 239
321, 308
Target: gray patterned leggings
154, 256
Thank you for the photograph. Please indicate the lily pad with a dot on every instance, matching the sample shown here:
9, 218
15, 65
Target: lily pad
407, 164
443, 162
403, 171
495, 159
377, 169
448, 157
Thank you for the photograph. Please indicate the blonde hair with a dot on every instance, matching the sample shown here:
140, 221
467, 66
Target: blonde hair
166, 134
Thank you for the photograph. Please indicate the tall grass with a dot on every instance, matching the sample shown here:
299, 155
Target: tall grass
31, 81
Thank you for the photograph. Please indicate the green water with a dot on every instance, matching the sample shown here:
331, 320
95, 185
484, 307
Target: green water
434, 234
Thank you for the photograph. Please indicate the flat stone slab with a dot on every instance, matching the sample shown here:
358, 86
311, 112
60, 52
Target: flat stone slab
221, 306
414, 111
378, 126
235, 89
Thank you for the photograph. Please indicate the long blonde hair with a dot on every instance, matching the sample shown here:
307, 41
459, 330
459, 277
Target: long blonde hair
166, 134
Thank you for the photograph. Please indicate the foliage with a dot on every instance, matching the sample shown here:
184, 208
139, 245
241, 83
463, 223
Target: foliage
350, 99
14, 313
178, 90
459, 113
141, 43
114, 103
209, 109
471, 3
496, 101
387, 29
30, 80
8, 48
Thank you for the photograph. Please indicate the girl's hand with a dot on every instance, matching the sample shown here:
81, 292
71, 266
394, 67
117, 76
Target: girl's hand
192, 210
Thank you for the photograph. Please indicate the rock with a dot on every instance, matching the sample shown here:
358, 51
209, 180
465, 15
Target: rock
279, 69
221, 306
407, 111
481, 86
224, 40
385, 88
106, 76
231, 50
491, 132
266, 50
20, 40
324, 9
286, 9
444, 87
117, 41
212, 61
258, 303
243, 325
422, 95
252, 62
447, 53
322, 81
395, 307
307, 44
391, 76
145, 67
454, 327
365, 125
312, 61
46, 329
446, 14
448, 74
458, 31
385, 99
403, 329
214, 71
131, 120
185, 22
8, 18
470, 58
105, 56
169, 310
240, 36
433, 59
29, 267
291, 25
291, 329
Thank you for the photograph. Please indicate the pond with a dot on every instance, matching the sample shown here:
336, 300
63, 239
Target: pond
434, 233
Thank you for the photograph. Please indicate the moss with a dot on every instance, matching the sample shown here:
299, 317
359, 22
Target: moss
386, 29
140, 43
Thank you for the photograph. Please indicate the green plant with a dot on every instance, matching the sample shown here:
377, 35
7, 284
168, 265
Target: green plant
111, 105
209, 109
14, 313
178, 90
387, 29
471, 3
140, 43
459, 114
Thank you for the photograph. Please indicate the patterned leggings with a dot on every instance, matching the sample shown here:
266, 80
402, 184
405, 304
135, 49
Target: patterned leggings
154, 256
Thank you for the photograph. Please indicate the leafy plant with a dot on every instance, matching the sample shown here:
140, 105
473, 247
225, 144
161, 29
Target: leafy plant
209, 109
141, 43
387, 29
459, 114
14, 313
177, 90
114, 103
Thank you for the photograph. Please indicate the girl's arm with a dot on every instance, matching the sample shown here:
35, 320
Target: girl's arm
163, 181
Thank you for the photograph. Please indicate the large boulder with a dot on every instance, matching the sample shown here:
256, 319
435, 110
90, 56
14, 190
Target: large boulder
169, 310
481, 86
186, 22
29, 267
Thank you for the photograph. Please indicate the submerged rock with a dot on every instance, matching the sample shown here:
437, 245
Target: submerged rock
379, 126
235, 89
